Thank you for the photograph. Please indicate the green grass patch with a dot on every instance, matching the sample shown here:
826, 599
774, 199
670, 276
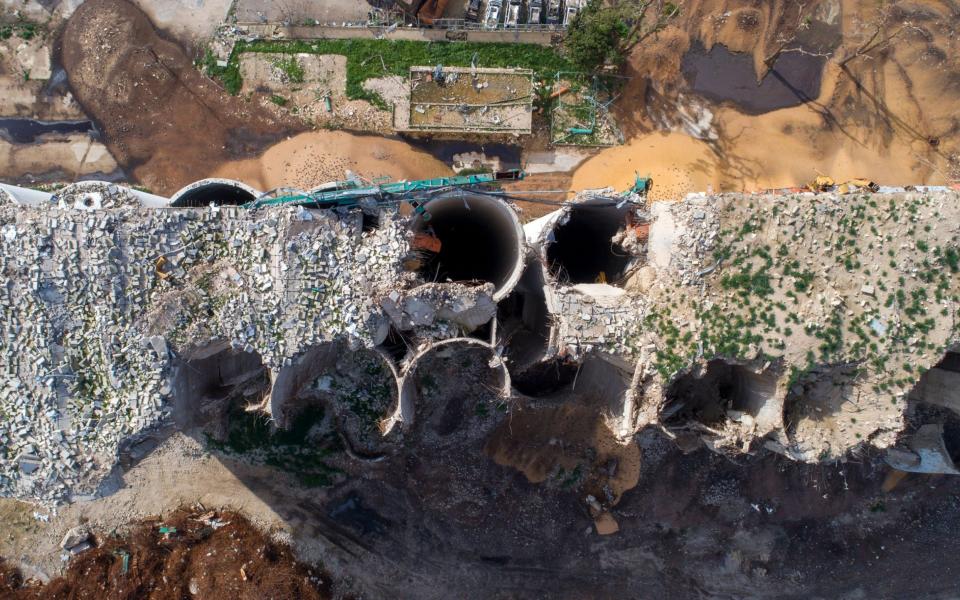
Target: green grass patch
251, 437
368, 59
25, 30
292, 68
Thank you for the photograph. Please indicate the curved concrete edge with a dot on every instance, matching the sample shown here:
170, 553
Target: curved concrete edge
89, 187
148, 200
925, 452
538, 230
302, 370
518, 265
26, 196
536, 292
406, 410
506, 210
30, 197
211, 181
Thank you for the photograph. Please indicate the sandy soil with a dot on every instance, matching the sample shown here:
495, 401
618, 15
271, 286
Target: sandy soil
312, 158
160, 116
553, 442
882, 116
678, 164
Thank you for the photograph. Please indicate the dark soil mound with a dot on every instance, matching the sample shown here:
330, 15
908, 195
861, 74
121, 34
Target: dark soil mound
189, 554
162, 119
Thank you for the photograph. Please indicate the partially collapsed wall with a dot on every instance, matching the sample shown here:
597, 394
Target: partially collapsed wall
798, 323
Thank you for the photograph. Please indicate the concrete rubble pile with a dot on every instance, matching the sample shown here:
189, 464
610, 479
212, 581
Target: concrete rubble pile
821, 311
97, 303
793, 322
440, 311
828, 307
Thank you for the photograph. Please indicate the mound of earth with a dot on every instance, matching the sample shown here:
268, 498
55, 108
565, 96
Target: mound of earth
188, 554
163, 120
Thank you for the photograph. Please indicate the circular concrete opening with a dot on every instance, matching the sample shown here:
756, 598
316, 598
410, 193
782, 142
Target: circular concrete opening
219, 192
583, 250
480, 240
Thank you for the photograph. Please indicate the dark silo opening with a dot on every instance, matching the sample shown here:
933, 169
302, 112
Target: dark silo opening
583, 250
218, 193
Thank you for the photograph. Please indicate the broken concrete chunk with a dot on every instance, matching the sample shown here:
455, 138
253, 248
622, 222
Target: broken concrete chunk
76, 540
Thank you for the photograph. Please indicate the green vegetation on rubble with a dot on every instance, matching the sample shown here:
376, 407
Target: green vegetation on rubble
368, 59
752, 319
23, 29
250, 435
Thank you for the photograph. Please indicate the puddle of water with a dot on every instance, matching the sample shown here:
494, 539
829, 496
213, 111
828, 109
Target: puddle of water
721, 75
26, 131
445, 150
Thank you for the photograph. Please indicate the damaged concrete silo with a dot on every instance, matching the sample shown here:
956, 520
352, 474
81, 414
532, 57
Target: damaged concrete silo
220, 192
727, 400
359, 386
442, 378
582, 256
26, 196
211, 383
480, 240
98, 195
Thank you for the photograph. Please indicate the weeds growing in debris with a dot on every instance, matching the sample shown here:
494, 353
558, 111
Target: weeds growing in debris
368, 59
251, 436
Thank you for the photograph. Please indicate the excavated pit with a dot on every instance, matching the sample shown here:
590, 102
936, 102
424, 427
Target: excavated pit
583, 250
358, 386
480, 241
941, 384
449, 384
718, 394
209, 389
545, 378
220, 192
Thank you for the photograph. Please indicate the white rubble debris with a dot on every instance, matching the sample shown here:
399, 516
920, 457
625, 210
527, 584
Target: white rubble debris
96, 303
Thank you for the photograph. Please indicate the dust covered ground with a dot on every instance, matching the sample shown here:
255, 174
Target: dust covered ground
450, 522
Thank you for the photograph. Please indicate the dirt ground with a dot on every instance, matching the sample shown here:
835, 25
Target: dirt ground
880, 113
190, 552
297, 12
323, 78
309, 159
162, 119
443, 520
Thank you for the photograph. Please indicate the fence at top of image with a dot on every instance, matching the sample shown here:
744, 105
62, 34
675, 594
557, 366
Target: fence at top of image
449, 24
